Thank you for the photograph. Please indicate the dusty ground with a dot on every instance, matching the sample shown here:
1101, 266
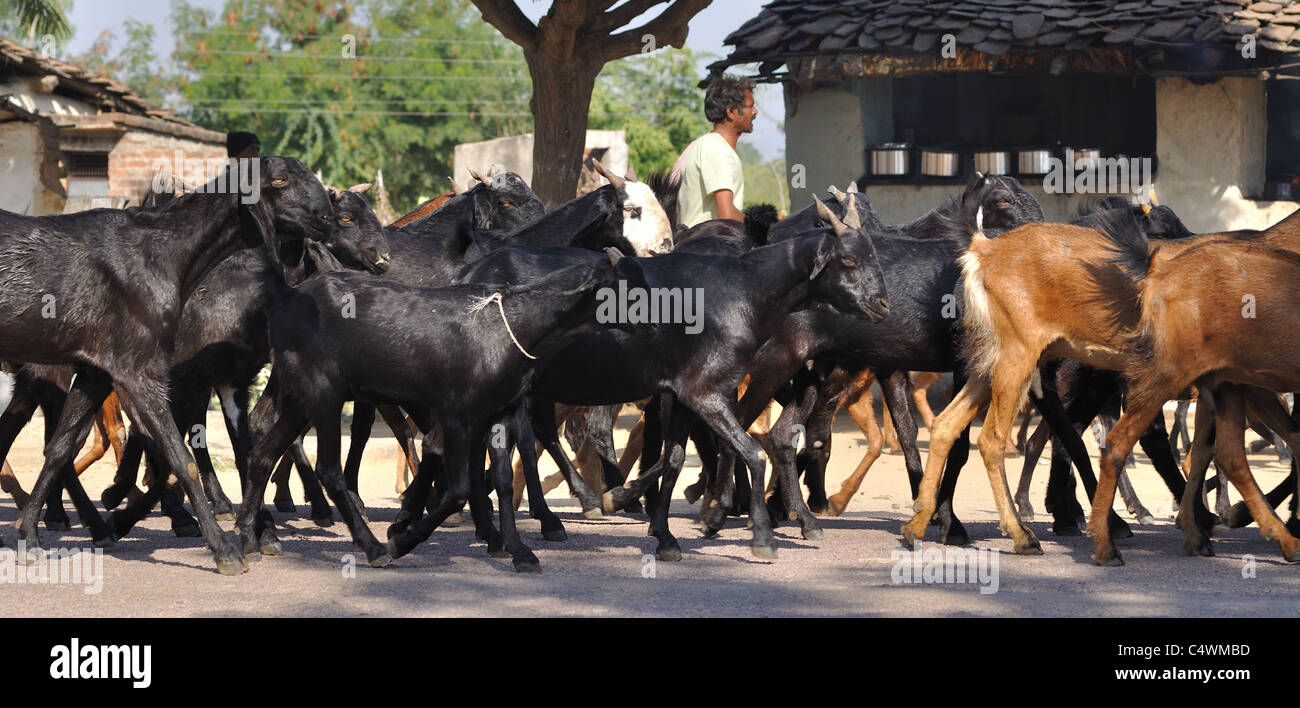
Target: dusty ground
604, 568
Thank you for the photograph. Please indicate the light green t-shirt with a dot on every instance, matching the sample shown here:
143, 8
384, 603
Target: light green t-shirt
709, 164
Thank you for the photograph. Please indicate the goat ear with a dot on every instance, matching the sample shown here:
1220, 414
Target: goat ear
260, 216
829, 217
496, 169
825, 251
334, 193
360, 188
614, 254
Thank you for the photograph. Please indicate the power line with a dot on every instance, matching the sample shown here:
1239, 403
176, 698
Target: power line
285, 55
413, 40
400, 101
439, 114
245, 74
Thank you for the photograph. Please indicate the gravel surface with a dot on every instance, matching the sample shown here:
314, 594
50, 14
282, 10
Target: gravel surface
607, 568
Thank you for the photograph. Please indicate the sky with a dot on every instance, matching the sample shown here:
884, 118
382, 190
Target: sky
91, 17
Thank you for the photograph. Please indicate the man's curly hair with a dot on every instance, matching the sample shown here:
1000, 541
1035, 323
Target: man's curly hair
725, 92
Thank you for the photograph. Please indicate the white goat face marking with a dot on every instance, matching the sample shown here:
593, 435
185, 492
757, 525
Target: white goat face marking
652, 228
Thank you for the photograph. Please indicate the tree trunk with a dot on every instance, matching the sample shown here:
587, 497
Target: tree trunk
560, 102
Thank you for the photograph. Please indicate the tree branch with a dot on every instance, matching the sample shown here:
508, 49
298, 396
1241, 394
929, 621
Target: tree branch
506, 16
559, 29
668, 29
623, 14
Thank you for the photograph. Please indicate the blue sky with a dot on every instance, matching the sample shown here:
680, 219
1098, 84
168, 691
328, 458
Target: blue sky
707, 30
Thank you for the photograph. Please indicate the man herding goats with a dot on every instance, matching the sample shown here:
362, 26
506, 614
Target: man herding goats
712, 179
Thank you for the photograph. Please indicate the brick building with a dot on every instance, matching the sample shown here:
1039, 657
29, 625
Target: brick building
72, 140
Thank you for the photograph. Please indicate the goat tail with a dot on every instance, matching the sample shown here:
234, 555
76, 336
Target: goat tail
980, 341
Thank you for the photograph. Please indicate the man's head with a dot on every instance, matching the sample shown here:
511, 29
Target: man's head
241, 144
730, 100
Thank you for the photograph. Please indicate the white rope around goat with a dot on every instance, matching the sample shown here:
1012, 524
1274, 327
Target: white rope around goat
483, 302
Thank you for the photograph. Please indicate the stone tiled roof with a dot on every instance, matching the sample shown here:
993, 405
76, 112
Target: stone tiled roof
105, 94
792, 28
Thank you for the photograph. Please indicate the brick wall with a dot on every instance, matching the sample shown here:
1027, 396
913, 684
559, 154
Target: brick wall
133, 161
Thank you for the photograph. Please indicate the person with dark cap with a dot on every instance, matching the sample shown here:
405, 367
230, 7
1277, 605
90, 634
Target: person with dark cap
241, 144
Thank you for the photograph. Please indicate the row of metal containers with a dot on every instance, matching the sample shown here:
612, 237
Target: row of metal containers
904, 160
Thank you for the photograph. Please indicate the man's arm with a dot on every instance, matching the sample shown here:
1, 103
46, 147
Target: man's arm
726, 208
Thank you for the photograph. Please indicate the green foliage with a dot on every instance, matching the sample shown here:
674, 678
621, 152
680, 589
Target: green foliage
654, 97
764, 180
31, 19
353, 87
133, 66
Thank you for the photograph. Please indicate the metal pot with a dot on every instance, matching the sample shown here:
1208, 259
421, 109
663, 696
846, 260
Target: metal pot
993, 163
1034, 162
889, 159
1091, 156
939, 163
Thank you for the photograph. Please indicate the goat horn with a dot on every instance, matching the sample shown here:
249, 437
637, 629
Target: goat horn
829, 217
631, 174
851, 218
334, 192
853, 187
476, 175
614, 254
455, 186
1146, 208
496, 169
835, 192
360, 188
614, 179
1153, 196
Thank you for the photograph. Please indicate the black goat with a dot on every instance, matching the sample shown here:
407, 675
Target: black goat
323, 358
748, 296
222, 344
116, 282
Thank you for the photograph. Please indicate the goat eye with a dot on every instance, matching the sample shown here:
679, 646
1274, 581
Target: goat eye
1004, 204
279, 181
506, 203
345, 219
849, 262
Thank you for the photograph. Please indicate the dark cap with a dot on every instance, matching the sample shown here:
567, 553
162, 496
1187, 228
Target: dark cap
239, 140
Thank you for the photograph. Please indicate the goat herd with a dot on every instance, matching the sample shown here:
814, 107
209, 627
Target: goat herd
482, 311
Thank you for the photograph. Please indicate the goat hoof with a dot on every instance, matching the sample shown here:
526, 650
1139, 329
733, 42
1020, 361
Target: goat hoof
1293, 556
381, 559
954, 535
836, 506
527, 566
593, 513
693, 492
394, 551
285, 506
232, 565
499, 552
103, 542
1118, 527
1240, 516
608, 503
1147, 519
323, 521
1198, 546
669, 554
57, 525
186, 530
813, 533
1109, 561
555, 534
634, 507
1028, 544
112, 496
1065, 526
764, 552
708, 531
271, 548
